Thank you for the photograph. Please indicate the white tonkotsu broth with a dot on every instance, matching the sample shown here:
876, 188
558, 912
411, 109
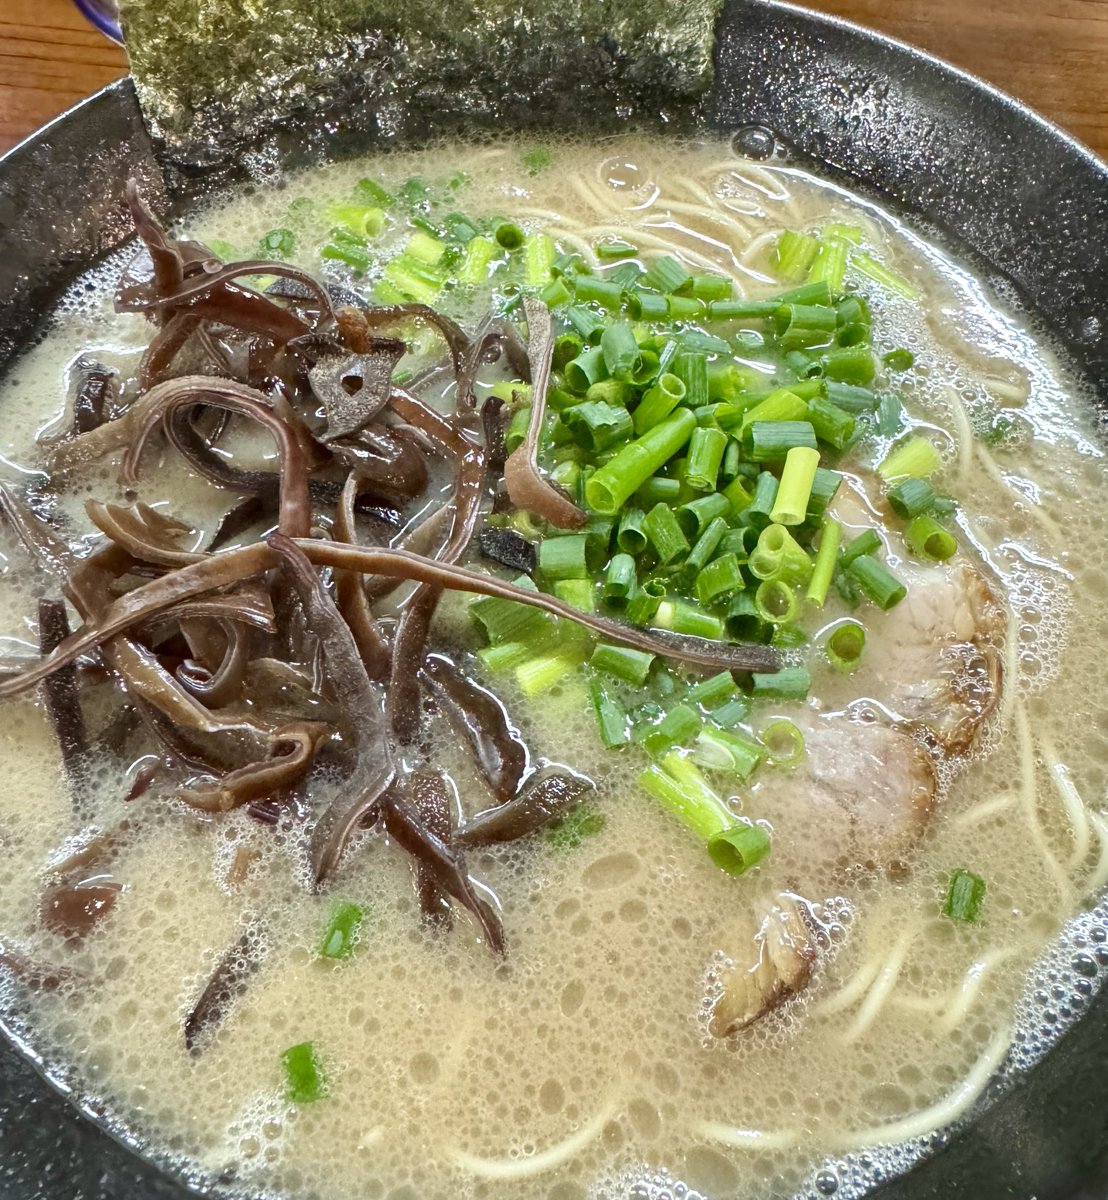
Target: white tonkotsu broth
582, 1064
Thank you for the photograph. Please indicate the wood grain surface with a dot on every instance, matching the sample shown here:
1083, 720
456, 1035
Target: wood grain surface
1049, 53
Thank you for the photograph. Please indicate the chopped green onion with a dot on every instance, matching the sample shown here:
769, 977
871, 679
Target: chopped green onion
611, 720
542, 672
775, 602
695, 516
516, 432
784, 743
770, 441
899, 359
425, 249
666, 274
623, 662
615, 249
711, 287
570, 264
660, 489
929, 539
414, 279
964, 896
722, 577
793, 492
598, 426
460, 227
911, 498
790, 683
508, 620
536, 159
867, 542
581, 593
850, 398
304, 1081
630, 535
832, 424
719, 750
875, 582
728, 715
739, 848
555, 294
692, 370
684, 308
364, 221
916, 457
665, 534
642, 607
619, 579
586, 323
713, 691
870, 267
610, 391
794, 255
745, 623
609, 488
890, 415
563, 557
848, 364
706, 448
683, 617
780, 405
620, 349
342, 930
668, 391
373, 193
761, 505
506, 655
599, 290
281, 243
480, 251
778, 555
646, 306
508, 235
830, 264
845, 645
345, 247
802, 325
580, 822
585, 370
680, 724
826, 558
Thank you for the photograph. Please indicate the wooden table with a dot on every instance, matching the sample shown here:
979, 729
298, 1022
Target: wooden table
1050, 53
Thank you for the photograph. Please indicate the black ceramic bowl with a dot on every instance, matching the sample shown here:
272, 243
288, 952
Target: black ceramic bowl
1009, 190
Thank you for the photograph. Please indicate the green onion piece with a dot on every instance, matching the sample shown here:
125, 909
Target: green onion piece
890, 415
665, 534
508, 235
666, 274
704, 548
581, 593
680, 725
683, 617
555, 294
779, 405
775, 602
739, 542
850, 398
738, 849
745, 623
899, 359
611, 720
765, 496
460, 227
778, 555
425, 249
684, 308
609, 488
801, 325
373, 193
620, 579
538, 258
281, 243
826, 558
706, 448
713, 691
711, 287
415, 193
848, 364
570, 264
627, 275
589, 325
345, 247
867, 542
543, 671
722, 577
598, 540
506, 656
585, 370
646, 306
824, 486
794, 255
508, 620
580, 822
480, 251
770, 441
845, 645
738, 492
563, 557
692, 370
365, 221
718, 750
610, 391
911, 498
728, 715
869, 266
642, 607
728, 381
414, 279
790, 683
615, 249
964, 896
630, 534
741, 310
536, 159
304, 1081
875, 582
659, 490
517, 428
795, 488
916, 457
929, 539
598, 426
633, 666
830, 264
667, 392
598, 290
695, 516
342, 930
832, 424
620, 349
784, 743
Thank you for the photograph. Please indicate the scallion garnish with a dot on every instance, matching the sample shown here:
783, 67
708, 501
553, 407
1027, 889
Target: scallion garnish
929, 539
964, 897
875, 582
784, 743
304, 1081
915, 458
845, 644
